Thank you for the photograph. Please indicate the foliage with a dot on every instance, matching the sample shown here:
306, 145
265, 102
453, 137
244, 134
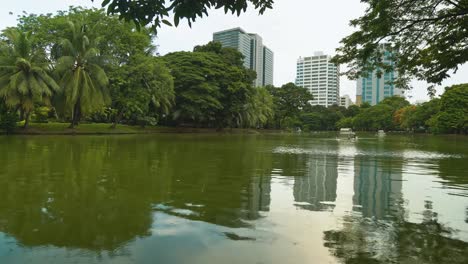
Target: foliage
375, 118
453, 114
347, 122
214, 89
229, 55
320, 118
84, 82
197, 79
417, 30
41, 114
288, 101
155, 12
259, 108
118, 40
8, 118
24, 77
143, 89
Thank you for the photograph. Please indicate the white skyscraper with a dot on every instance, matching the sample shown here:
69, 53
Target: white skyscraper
321, 77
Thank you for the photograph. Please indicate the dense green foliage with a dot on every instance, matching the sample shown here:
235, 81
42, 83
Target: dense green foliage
24, 80
289, 101
449, 114
83, 80
418, 30
213, 89
155, 12
81, 65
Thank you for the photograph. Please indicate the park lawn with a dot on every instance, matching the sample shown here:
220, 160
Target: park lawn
56, 128
84, 128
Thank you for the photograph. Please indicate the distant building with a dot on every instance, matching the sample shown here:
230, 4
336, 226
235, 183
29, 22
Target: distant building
372, 89
420, 102
346, 101
257, 57
321, 77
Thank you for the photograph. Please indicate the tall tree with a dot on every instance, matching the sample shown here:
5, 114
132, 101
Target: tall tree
155, 12
453, 114
84, 82
24, 78
288, 100
197, 77
429, 38
141, 89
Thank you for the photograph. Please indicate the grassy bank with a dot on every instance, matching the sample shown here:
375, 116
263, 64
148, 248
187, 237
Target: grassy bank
105, 129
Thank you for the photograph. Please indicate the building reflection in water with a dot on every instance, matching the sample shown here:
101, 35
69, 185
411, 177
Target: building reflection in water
377, 187
316, 189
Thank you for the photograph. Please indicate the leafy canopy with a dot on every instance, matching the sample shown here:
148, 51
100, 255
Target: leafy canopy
83, 80
430, 38
155, 12
24, 77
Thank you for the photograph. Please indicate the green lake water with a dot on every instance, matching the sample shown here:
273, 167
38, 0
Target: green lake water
233, 199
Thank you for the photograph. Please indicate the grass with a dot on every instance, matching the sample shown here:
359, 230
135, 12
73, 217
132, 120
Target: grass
91, 128
54, 128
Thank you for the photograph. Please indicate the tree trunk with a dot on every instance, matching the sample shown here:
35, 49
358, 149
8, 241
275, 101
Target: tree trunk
76, 114
26, 121
116, 120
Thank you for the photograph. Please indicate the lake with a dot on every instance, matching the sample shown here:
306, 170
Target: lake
212, 198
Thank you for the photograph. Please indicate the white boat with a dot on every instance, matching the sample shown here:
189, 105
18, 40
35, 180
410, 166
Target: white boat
347, 132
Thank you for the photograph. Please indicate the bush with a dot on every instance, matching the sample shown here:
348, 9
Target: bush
41, 114
8, 121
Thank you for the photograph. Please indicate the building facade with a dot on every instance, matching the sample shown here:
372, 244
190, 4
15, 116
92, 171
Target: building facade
372, 88
257, 57
346, 101
321, 77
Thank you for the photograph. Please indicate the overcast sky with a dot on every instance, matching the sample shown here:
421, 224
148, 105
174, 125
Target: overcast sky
292, 29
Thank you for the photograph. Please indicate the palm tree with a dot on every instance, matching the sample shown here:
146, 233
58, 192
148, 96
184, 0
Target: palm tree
258, 109
24, 78
83, 81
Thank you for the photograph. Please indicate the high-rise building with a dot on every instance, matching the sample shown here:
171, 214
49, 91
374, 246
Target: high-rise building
373, 88
346, 101
321, 77
257, 57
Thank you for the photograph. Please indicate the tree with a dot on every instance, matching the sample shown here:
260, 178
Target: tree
258, 108
453, 114
419, 119
119, 41
377, 117
197, 77
24, 78
155, 12
230, 55
428, 37
141, 90
403, 117
288, 102
84, 82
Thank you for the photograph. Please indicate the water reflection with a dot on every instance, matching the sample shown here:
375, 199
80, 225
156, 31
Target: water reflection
316, 190
233, 199
377, 187
100, 193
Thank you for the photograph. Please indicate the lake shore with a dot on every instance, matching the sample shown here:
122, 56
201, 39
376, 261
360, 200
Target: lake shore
106, 129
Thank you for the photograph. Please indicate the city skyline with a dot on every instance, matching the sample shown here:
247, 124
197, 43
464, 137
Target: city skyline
288, 38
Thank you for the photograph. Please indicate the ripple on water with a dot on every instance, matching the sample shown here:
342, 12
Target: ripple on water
406, 154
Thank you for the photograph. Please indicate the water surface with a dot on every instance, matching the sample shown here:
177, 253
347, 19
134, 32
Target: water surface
233, 199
